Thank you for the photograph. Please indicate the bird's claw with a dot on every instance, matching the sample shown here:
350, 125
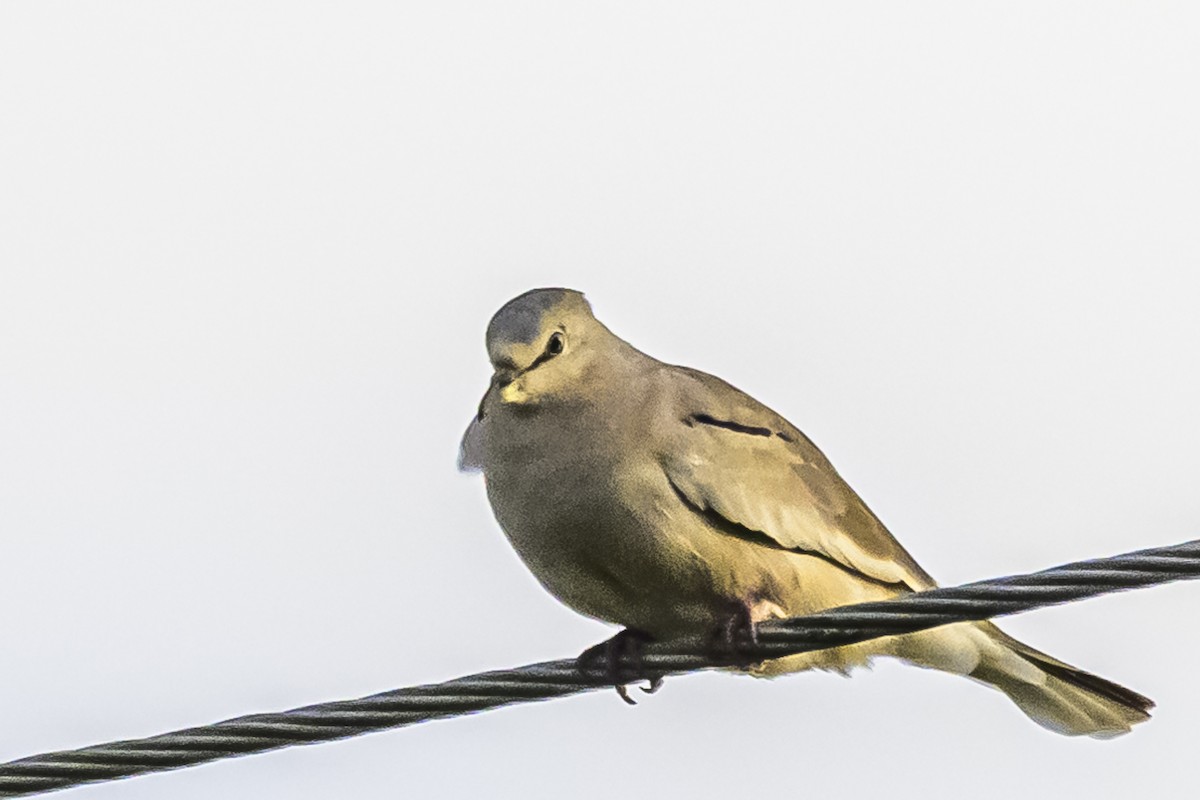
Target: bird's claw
620, 658
656, 683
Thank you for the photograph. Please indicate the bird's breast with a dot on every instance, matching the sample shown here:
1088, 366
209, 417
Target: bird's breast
588, 518
550, 482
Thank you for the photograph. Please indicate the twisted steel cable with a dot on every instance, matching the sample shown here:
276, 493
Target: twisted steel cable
846, 625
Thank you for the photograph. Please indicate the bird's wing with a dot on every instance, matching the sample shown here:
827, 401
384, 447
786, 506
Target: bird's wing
752, 474
470, 449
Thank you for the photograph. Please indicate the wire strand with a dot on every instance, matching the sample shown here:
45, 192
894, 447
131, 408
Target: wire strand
257, 733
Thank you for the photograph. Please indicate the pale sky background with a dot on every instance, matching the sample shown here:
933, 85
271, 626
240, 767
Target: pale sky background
248, 252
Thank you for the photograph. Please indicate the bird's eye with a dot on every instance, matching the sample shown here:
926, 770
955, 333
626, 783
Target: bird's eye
555, 345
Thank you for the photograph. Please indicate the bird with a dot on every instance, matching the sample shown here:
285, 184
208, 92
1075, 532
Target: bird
664, 500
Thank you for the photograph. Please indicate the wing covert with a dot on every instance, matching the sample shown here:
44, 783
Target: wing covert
755, 470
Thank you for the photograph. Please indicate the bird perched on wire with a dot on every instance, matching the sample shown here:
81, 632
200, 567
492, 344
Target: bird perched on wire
662, 499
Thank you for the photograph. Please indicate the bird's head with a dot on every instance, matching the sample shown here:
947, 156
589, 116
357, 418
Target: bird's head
538, 344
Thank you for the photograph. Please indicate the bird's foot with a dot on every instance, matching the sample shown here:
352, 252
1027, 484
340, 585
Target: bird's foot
619, 660
736, 638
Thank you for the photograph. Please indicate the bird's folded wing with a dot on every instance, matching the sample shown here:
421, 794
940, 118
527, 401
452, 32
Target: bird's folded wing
755, 476
470, 450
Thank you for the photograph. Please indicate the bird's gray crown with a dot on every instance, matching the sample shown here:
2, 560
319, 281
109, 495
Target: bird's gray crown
520, 319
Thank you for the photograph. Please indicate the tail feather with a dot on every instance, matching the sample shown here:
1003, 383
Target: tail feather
1054, 694
1058, 696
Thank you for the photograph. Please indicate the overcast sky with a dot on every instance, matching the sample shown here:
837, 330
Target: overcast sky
248, 251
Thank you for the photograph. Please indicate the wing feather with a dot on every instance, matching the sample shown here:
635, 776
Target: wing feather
734, 457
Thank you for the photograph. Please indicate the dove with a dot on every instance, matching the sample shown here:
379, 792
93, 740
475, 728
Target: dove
664, 500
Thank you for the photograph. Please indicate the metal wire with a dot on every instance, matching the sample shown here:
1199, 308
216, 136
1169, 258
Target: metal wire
847, 625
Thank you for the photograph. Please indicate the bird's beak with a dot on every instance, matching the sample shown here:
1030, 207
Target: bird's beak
514, 392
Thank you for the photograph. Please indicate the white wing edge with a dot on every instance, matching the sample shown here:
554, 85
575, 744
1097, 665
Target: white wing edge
470, 451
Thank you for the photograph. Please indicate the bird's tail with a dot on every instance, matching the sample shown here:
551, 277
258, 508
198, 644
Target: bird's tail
1055, 695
